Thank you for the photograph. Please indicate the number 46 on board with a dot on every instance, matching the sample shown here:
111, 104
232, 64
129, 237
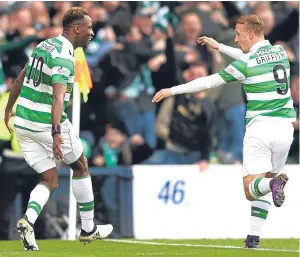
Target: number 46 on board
172, 192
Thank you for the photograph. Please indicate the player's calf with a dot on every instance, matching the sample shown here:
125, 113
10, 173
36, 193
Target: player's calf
261, 186
256, 187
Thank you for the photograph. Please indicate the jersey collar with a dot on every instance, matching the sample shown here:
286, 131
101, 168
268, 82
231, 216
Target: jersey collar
259, 44
68, 44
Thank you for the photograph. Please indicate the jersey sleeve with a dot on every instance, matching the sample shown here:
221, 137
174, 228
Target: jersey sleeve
235, 71
61, 71
235, 53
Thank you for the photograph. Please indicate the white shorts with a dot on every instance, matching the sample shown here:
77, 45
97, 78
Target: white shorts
37, 147
266, 146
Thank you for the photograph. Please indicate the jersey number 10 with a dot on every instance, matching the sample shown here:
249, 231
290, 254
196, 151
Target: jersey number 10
37, 74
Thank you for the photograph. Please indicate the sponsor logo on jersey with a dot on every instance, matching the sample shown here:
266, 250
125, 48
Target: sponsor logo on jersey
52, 42
230, 69
63, 71
46, 48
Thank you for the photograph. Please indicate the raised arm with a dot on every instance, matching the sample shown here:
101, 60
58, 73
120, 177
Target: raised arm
235, 53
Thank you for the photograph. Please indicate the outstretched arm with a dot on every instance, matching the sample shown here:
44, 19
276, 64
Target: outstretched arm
233, 72
190, 87
199, 84
235, 53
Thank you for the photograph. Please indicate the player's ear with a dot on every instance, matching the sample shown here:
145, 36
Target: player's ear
251, 34
77, 29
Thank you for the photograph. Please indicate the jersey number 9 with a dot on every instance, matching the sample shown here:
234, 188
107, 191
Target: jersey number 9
277, 69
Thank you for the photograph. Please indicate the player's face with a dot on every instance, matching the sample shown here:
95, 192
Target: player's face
242, 37
85, 32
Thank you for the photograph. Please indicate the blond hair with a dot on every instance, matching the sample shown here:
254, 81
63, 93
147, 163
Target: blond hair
252, 22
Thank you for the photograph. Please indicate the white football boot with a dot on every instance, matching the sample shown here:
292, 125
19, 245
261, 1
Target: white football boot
27, 236
99, 232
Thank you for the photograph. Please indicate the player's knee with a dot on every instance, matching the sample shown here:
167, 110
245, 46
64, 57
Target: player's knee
248, 196
84, 166
81, 167
247, 193
51, 183
50, 179
53, 187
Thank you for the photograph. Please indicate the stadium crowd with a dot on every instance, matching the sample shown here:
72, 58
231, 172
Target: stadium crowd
139, 48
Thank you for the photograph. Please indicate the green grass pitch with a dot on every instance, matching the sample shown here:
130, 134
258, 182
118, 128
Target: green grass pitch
154, 248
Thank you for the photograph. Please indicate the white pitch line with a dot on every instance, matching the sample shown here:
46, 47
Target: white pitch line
201, 245
159, 253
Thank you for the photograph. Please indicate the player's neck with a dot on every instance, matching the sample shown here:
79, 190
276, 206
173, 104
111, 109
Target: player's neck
64, 34
256, 40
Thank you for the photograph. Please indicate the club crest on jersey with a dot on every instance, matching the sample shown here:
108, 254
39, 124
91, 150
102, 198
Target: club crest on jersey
69, 89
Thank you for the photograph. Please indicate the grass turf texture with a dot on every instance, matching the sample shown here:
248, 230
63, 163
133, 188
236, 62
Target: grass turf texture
129, 248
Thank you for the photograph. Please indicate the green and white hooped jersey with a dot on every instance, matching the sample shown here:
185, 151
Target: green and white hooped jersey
265, 75
51, 62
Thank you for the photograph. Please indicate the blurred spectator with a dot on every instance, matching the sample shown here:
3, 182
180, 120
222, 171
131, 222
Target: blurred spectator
190, 30
115, 148
142, 20
229, 100
24, 18
187, 123
42, 20
60, 7
118, 16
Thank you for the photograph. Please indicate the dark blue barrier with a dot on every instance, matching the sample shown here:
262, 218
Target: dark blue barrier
113, 197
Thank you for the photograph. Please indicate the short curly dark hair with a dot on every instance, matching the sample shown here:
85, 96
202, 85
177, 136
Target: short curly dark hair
73, 14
